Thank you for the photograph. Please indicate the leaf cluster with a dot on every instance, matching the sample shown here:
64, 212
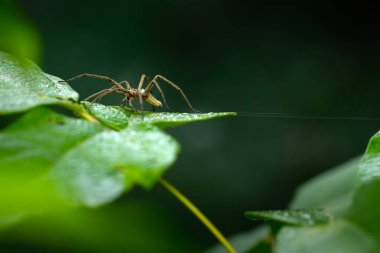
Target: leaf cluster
51, 161
335, 212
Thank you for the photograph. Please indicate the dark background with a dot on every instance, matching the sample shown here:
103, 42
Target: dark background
303, 57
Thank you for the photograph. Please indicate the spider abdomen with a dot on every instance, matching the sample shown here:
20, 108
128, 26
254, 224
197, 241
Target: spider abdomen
152, 100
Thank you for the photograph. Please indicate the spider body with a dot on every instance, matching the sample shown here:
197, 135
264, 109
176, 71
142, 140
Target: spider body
152, 100
134, 94
124, 88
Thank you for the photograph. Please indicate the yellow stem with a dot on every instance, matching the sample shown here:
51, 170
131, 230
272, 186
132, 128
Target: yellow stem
198, 214
78, 109
88, 116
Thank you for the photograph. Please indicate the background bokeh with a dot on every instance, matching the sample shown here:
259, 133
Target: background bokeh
304, 57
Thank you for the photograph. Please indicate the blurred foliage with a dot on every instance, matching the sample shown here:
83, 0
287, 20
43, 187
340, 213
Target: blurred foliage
18, 35
51, 163
303, 57
349, 193
332, 189
119, 227
298, 217
310, 58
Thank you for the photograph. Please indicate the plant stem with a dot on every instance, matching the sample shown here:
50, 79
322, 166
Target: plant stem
198, 214
88, 116
78, 109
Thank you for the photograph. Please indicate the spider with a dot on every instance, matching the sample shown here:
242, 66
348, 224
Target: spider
130, 93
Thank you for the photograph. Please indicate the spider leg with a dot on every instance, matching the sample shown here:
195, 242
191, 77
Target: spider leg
129, 102
150, 86
100, 92
106, 78
126, 83
99, 97
141, 104
141, 93
142, 79
131, 105
95, 94
162, 95
122, 101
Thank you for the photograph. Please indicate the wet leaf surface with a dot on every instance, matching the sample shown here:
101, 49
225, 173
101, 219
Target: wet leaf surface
23, 86
120, 117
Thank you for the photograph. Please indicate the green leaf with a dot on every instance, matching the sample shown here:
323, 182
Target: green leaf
87, 163
19, 36
352, 192
101, 168
120, 117
112, 116
337, 237
261, 247
39, 138
251, 241
365, 208
301, 217
23, 86
90, 165
332, 189
125, 226
29, 148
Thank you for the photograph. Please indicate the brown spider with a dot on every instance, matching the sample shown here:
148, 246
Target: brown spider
130, 93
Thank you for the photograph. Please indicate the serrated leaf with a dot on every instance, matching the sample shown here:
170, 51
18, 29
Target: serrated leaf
101, 168
301, 217
23, 86
120, 117
336, 237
